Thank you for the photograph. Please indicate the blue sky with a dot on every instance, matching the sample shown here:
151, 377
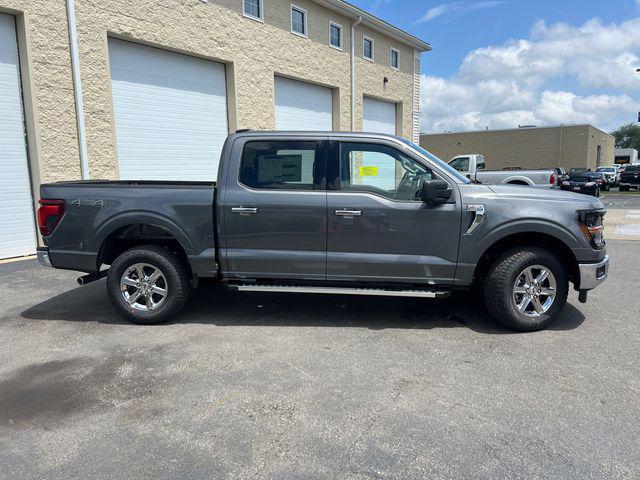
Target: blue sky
499, 63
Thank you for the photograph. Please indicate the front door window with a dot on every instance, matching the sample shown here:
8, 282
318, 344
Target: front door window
381, 170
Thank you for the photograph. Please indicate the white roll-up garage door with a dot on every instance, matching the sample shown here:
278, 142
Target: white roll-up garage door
303, 106
170, 113
380, 117
17, 227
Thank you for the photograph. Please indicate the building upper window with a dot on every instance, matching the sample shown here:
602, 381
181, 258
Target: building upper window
335, 35
252, 9
298, 21
367, 48
395, 59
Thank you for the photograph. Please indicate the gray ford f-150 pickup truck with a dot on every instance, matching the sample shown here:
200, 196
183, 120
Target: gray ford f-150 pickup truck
336, 213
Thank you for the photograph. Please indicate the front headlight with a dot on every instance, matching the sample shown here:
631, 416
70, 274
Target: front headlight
592, 225
590, 184
566, 183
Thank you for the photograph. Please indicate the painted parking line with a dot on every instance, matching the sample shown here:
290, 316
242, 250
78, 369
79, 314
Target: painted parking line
622, 224
633, 214
628, 229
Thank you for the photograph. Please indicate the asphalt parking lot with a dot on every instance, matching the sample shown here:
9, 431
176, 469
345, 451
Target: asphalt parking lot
297, 386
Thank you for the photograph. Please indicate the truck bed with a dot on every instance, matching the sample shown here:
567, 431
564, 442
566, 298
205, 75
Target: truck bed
97, 212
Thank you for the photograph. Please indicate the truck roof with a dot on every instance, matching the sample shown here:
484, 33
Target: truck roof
312, 133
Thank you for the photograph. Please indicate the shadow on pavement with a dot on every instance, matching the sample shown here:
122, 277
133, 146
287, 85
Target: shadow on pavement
215, 304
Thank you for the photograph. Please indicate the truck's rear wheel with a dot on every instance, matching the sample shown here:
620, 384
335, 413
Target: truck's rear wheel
526, 288
148, 284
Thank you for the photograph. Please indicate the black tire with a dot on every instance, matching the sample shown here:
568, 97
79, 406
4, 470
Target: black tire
623, 189
500, 282
176, 281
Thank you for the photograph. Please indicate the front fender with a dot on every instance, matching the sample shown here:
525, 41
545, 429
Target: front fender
475, 249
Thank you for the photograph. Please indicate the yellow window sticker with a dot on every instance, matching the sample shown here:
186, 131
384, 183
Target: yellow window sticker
370, 171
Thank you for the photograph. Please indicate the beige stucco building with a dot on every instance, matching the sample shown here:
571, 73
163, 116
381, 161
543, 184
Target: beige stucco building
162, 79
563, 146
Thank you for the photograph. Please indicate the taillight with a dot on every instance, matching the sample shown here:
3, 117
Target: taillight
49, 215
552, 180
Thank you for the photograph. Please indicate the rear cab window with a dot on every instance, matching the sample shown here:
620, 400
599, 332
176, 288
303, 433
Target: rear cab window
282, 165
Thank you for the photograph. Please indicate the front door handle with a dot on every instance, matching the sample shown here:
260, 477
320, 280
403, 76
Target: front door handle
244, 210
344, 212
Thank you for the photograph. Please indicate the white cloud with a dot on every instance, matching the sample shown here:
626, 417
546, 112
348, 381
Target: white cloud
525, 81
459, 7
377, 4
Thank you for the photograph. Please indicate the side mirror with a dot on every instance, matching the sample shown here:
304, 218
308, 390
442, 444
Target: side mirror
435, 191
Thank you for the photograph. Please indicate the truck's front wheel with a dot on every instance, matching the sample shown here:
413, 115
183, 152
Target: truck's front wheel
148, 284
526, 288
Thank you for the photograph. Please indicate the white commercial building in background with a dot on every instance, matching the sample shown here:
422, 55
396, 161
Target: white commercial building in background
625, 155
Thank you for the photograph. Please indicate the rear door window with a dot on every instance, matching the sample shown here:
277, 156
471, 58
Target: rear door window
282, 165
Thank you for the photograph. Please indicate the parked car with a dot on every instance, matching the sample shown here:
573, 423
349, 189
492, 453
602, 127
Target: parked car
630, 178
590, 183
561, 173
474, 167
330, 213
611, 175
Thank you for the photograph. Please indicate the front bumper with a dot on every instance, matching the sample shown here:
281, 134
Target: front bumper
593, 274
43, 256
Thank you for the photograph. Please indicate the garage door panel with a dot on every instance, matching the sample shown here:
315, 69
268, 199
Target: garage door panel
170, 112
303, 106
17, 226
379, 116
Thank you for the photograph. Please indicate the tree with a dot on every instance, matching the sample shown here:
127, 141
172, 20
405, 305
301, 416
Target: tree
627, 136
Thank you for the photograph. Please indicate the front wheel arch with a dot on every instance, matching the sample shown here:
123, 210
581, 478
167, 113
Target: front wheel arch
527, 239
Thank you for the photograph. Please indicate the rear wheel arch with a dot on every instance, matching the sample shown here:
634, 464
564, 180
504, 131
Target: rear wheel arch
126, 237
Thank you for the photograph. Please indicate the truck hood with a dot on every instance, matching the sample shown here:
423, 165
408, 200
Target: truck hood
546, 194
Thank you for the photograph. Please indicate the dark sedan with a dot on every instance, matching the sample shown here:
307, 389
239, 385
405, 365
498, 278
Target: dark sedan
589, 183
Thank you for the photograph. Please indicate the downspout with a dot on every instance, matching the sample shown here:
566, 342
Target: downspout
77, 88
353, 72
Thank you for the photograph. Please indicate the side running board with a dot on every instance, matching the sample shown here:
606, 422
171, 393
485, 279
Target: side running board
344, 291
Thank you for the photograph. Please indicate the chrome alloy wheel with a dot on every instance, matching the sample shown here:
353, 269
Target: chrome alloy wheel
143, 286
534, 291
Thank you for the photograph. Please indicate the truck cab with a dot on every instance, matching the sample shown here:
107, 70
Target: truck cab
469, 164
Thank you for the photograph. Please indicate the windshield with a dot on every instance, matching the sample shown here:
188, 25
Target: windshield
604, 169
443, 165
632, 168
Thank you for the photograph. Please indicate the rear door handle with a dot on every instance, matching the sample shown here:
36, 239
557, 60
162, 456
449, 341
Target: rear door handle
244, 210
348, 213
